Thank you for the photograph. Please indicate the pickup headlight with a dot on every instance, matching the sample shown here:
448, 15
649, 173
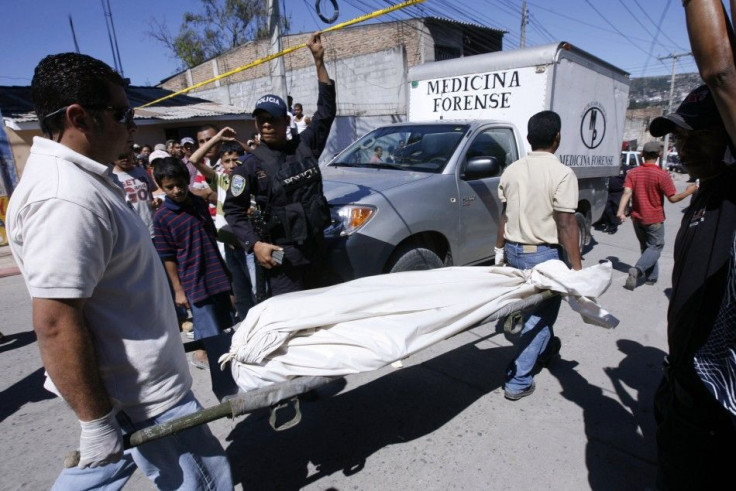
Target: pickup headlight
348, 219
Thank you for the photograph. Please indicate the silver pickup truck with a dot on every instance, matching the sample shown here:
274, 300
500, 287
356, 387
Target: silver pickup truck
418, 196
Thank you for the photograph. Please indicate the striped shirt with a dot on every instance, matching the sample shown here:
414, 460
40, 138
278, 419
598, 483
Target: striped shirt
649, 185
185, 233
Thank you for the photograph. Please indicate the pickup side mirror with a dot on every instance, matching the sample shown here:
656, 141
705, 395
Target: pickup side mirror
481, 168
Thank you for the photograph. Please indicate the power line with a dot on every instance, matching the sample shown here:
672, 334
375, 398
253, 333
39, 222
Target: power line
659, 26
605, 19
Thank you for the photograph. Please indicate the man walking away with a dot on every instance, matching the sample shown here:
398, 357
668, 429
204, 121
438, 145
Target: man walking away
647, 186
539, 196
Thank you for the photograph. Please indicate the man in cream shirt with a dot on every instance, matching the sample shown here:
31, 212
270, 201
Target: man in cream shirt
539, 196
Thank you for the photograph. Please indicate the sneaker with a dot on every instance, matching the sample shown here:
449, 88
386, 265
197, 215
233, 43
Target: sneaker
651, 281
515, 396
201, 364
632, 280
187, 326
552, 352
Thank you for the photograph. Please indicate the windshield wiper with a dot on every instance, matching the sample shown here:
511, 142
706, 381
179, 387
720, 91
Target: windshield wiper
368, 165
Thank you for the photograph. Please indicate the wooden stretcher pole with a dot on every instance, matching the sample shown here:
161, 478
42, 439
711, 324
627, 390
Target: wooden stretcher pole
237, 406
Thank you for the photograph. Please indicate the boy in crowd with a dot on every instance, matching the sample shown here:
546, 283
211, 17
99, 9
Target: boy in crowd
230, 153
138, 187
185, 238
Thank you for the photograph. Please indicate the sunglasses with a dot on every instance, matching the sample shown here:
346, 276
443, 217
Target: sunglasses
123, 115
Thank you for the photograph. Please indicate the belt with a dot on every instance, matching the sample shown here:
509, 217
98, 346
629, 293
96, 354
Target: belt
527, 248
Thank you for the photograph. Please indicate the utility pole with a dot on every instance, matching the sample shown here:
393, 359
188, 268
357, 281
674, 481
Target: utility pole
524, 22
672, 94
278, 73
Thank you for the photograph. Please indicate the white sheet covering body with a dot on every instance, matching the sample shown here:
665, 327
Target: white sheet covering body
368, 323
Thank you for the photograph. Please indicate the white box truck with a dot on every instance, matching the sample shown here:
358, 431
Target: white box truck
589, 94
424, 193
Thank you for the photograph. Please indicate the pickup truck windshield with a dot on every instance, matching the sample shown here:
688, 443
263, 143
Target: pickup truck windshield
417, 148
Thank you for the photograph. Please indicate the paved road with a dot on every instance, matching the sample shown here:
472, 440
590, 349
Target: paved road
441, 422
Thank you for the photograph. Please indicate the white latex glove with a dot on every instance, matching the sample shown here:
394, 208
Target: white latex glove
101, 441
500, 256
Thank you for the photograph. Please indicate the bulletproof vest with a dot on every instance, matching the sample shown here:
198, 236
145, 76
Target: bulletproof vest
295, 207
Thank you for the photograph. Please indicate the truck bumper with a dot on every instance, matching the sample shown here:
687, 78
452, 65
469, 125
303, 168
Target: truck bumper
357, 255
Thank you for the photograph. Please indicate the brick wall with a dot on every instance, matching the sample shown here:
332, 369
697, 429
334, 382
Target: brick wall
346, 43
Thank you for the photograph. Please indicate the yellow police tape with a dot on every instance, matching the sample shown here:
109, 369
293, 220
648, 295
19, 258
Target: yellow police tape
286, 51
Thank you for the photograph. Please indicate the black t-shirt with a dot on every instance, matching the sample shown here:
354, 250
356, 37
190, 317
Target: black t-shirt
702, 259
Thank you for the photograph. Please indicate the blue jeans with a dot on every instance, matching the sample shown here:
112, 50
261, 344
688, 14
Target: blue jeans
212, 315
237, 264
192, 459
651, 243
537, 330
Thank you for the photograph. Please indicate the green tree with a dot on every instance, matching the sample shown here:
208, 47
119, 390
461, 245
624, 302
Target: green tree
218, 27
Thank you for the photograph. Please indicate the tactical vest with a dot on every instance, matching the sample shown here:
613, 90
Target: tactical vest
295, 207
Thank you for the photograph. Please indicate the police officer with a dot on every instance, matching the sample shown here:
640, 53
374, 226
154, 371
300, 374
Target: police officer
282, 177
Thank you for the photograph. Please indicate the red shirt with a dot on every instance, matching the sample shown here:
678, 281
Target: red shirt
649, 185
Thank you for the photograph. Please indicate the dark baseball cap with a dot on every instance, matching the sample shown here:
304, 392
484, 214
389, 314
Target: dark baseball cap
696, 112
272, 104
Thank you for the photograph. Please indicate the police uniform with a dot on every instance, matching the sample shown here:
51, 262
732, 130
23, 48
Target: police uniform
286, 186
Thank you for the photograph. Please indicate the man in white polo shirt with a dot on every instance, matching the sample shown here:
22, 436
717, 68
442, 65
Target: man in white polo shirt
539, 196
102, 310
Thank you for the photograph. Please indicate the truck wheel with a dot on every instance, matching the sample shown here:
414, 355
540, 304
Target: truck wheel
417, 259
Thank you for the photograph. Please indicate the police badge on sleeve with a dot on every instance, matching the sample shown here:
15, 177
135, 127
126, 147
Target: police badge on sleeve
237, 185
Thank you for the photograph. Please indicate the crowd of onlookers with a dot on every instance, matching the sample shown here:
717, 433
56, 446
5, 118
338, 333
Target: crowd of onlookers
178, 188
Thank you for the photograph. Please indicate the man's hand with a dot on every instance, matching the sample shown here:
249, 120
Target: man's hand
318, 52
500, 259
625, 197
262, 252
101, 441
315, 46
226, 134
180, 299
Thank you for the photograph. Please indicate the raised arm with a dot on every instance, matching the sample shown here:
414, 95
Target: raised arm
197, 158
318, 52
712, 43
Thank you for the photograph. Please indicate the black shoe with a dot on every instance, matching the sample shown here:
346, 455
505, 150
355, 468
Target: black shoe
651, 281
515, 396
632, 280
551, 353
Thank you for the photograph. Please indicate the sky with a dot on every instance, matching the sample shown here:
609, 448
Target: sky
631, 34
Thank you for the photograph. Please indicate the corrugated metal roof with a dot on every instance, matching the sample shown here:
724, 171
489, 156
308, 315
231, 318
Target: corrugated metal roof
463, 23
16, 105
